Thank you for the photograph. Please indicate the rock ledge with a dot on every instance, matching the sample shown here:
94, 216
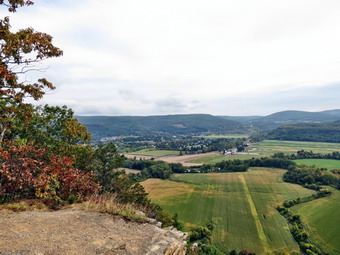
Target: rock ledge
80, 232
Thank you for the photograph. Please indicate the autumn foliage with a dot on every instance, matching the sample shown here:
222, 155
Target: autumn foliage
28, 171
44, 151
39, 146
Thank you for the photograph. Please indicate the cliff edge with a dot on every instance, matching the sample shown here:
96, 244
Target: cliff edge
81, 232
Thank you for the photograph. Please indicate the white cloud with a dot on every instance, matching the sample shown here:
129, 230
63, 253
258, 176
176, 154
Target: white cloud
197, 50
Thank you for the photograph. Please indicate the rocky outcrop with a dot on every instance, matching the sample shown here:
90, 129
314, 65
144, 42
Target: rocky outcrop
79, 232
168, 241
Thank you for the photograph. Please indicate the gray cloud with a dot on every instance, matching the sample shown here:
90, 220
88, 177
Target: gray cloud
157, 57
307, 98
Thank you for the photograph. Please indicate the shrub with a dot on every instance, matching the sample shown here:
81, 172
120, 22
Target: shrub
30, 171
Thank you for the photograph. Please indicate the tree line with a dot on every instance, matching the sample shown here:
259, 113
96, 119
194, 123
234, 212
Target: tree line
302, 154
163, 170
296, 226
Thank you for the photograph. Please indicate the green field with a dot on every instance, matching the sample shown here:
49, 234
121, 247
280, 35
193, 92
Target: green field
242, 205
322, 219
155, 153
269, 147
325, 163
224, 136
218, 158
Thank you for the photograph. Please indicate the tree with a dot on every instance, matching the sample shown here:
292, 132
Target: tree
52, 126
107, 161
14, 4
19, 51
158, 170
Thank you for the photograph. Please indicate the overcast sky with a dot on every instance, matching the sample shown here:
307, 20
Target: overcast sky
223, 57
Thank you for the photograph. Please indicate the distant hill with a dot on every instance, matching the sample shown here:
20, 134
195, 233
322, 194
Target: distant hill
335, 112
106, 126
293, 117
240, 118
316, 132
194, 124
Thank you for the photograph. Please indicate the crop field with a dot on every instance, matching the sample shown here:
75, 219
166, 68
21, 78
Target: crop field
326, 163
218, 158
268, 147
322, 219
242, 206
155, 153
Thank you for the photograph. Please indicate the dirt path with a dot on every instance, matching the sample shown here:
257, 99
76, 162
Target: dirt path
71, 232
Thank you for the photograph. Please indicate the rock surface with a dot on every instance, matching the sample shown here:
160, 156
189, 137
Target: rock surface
80, 232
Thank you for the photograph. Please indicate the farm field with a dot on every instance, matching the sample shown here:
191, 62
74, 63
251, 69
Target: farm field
322, 219
218, 158
326, 163
257, 150
269, 147
242, 205
185, 160
155, 153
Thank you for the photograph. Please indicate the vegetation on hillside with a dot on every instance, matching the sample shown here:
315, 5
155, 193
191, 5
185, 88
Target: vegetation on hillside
315, 132
291, 117
197, 124
190, 124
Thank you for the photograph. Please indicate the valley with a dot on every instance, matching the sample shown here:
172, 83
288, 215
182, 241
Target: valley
170, 127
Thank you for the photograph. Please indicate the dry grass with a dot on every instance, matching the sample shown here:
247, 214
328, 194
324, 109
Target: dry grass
108, 204
97, 203
160, 189
26, 205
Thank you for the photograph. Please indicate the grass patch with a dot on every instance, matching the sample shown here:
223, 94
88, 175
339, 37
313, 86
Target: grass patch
322, 221
223, 198
330, 164
162, 190
155, 153
30, 205
109, 204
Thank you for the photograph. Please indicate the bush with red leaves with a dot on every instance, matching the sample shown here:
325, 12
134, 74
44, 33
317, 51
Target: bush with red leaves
28, 171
